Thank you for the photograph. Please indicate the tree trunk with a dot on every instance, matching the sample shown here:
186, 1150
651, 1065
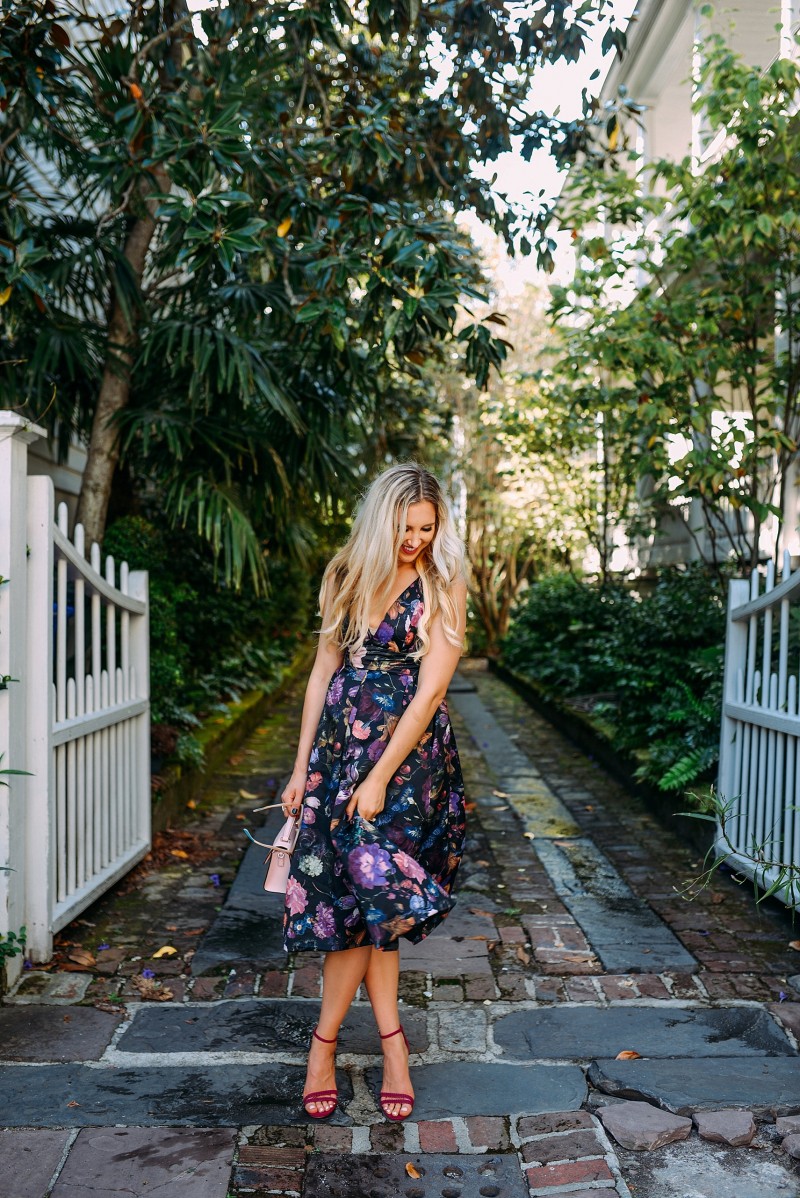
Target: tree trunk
115, 387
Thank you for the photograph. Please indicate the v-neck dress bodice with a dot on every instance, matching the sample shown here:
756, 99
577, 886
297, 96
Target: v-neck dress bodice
355, 882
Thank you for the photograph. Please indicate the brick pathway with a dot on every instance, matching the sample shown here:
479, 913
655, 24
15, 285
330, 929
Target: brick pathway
509, 1007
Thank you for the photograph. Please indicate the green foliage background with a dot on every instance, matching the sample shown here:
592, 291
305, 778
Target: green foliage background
650, 662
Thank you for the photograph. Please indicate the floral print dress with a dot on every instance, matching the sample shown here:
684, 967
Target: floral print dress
356, 882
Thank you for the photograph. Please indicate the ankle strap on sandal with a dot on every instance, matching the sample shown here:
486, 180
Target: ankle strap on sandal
317, 1036
388, 1036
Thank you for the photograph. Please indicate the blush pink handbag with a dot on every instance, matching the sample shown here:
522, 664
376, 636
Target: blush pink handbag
279, 857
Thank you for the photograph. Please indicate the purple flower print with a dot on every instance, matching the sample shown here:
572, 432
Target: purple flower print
309, 816
369, 865
296, 897
324, 925
408, 866
375, 750
313, 781
335, 689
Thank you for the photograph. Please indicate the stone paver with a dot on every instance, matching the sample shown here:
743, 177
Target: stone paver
257, 1025
641, 1127
31, 1158
463, 1088
624, 931
170, 1162
214, 1095
791, 1146
35, 1033
682, 1086
701, 1170
56, 989
732, 1127
565, 1033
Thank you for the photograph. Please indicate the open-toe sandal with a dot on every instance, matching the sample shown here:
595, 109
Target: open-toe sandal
324, 1098
386, 1098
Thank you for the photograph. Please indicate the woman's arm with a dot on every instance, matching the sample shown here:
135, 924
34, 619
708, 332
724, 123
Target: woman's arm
328, 659
436, 669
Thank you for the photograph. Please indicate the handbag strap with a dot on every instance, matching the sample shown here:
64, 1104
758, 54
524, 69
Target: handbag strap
278, 848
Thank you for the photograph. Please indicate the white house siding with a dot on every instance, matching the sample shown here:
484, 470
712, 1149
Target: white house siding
66, 476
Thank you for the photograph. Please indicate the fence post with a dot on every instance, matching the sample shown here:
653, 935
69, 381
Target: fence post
735, 659
16, 434
138, 588
40, 852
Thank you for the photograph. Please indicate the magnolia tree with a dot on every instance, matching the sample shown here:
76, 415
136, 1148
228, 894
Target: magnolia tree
683, 317
227, 242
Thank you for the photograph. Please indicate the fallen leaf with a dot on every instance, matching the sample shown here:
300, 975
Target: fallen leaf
82, 956
412, 1170
240, 816
249, 794
483, 914
284, 226
476, 937
166, 950
73, 1103
179, 853
485, 864
236, 759
522, 956
171, 927
194, 932
151, 989
795, 944
718, 898
67, 968
500, 794
191, 804
628, 1054
470, 807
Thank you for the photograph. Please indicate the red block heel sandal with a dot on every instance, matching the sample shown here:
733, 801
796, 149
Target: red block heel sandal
326, 1098
388, 1099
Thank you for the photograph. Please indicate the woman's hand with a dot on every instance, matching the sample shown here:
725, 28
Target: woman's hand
294, 793
368, 798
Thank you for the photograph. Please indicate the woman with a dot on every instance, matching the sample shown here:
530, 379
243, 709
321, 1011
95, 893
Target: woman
377, 772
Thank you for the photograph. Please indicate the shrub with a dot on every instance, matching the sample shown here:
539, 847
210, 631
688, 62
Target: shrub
654, 658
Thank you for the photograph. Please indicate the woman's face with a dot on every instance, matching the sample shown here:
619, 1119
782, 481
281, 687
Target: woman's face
419, 531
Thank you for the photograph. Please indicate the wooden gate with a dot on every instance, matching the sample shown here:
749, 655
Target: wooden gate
89, 737
759, 768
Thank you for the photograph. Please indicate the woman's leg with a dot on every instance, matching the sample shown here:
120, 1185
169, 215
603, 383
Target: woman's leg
381, 980
342, 974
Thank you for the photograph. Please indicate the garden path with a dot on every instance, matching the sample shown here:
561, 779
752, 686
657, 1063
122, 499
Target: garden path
128, 1073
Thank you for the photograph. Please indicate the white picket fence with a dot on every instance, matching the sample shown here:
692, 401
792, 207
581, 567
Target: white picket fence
77, 718
759, 768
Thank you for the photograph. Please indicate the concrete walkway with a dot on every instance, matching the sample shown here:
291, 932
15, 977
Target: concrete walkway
126, 1072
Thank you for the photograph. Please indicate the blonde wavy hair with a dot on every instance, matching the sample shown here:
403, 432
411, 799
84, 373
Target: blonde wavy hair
366, 564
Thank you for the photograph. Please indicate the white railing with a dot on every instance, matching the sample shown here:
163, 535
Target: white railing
91, 690
759, 769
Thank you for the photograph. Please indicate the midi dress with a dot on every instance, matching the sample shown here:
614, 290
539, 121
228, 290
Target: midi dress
355, 882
